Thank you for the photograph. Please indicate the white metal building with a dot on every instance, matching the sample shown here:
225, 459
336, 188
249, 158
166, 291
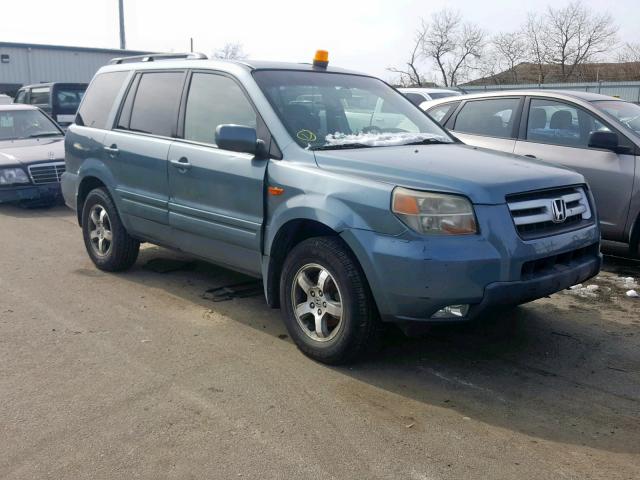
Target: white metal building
26, 63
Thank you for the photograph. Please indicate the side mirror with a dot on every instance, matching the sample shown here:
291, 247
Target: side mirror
607, 141
238, 138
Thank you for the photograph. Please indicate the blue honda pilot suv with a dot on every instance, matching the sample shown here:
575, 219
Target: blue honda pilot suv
350, 203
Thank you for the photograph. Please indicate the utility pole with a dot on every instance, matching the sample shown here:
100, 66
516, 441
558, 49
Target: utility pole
123, 42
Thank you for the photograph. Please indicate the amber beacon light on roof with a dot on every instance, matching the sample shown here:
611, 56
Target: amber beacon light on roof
321, 59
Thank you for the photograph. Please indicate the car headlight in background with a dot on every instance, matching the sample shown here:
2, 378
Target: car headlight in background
12, 176
434, 213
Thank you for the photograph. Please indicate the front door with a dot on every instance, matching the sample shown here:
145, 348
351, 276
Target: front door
216, 196
558, 132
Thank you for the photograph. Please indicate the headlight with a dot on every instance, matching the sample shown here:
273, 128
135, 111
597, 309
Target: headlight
434, 213
11, 176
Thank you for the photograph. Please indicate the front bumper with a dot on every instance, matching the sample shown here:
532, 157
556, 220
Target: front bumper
412, 276
25, 193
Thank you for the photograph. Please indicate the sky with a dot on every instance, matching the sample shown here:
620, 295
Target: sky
368, 36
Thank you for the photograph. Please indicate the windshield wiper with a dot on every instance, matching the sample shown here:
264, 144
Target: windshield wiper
428, 141
45, 134
343, 146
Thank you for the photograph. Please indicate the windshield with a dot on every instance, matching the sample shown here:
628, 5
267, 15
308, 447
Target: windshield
329, 110
15, 124
626, 113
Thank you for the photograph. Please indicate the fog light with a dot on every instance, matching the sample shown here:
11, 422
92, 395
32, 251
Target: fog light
452, 311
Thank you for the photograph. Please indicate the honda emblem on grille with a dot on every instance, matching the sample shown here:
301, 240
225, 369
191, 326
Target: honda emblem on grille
558, 210
52, 155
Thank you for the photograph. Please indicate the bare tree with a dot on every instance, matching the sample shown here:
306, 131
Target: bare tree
574, 35
630, 53
538, 50
452, 45
230, 51
410, 76
510, 50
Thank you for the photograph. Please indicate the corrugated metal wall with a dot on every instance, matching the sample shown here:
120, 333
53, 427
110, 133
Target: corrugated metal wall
625, 90
36, 65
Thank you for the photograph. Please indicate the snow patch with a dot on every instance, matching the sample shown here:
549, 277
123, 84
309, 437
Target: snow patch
633, 294
382, 139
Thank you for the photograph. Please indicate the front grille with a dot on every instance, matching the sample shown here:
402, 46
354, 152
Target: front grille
553, 263
46, 172
534, 216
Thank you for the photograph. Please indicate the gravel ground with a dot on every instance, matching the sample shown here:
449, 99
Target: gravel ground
142, 375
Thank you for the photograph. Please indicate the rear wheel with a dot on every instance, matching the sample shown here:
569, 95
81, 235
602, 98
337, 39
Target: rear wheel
108, 244
326, 303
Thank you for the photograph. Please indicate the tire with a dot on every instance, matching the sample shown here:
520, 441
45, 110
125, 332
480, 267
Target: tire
108, 244
334, 339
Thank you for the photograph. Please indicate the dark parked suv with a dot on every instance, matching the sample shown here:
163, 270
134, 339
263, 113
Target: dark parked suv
350, 203
59, 100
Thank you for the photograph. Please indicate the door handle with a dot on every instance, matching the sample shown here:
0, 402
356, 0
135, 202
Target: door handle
112, 150
182, 164
530, 156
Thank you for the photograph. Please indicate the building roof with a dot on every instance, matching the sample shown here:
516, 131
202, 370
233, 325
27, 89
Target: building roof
115, 51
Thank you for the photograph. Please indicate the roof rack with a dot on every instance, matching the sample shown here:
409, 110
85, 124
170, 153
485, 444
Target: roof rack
152, 57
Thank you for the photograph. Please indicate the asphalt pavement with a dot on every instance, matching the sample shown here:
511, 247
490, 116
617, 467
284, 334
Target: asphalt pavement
155, 374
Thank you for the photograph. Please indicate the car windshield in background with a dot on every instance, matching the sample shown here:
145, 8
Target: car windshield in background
332, 111
19, 124
626, 113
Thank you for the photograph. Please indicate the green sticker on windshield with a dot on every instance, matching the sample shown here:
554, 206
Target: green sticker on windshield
306, 136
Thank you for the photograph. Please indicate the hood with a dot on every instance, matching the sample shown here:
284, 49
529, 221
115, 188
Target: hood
31, 150
485, 176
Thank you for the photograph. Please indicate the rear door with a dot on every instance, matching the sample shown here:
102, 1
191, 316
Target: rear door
558, 132
216, 200
490, 123
137, 149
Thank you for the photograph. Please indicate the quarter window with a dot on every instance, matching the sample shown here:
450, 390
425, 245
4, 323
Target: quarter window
415, 98
560, 124
215, 100
155, 107
441, 111
95, 109
493, 118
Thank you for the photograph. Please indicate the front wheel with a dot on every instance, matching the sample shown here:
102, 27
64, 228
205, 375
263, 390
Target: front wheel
326, 303
108, 244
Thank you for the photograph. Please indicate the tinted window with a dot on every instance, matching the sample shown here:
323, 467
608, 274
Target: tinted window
441, 111
415, 98
39, 95
560, 124
215, 100
155, 107
100, 96
493, 118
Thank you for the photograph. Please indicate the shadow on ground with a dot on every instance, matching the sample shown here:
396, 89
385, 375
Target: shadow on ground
555, 369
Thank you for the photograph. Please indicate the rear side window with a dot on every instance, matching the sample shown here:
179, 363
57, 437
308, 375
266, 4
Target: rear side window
215, 100
493, 118
440, 112
39, 95
155, 107
95, 109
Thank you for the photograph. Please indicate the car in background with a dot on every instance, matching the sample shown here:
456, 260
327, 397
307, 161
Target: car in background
5, 99
31, 156
596, 135
419, 95
59, 100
